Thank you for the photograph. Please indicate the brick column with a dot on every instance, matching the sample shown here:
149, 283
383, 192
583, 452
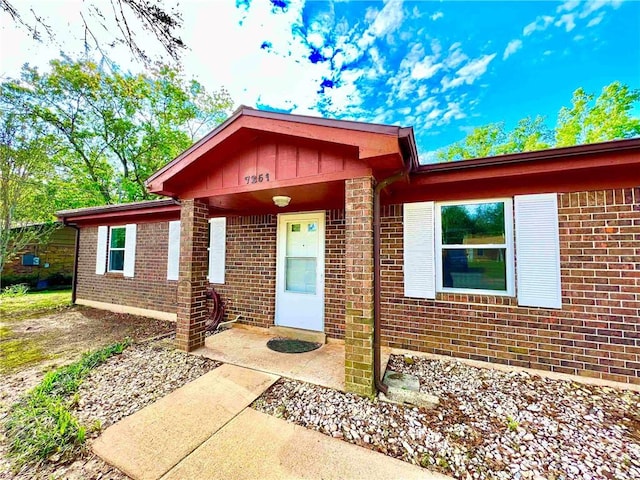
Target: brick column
358, 335
192, 302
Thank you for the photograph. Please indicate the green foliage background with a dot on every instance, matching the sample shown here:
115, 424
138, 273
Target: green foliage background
589, 119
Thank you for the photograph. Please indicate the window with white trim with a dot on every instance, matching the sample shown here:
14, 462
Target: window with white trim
116, 254
474, 247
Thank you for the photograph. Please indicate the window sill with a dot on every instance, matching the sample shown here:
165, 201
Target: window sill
477, 297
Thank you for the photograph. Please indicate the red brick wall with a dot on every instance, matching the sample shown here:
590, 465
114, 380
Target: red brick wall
595, 334
334, 274
250, 274
249, 288
149, 288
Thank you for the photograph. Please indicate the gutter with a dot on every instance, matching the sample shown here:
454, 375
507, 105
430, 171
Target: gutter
74, 281
376, 276
408, 146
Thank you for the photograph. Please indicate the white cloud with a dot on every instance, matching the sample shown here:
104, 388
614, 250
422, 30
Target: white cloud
469, 73
453, 112
455, 57
540, 24
512, 47
594, 5
426, 68
595, 20
568, 20
568, 6
436, 16
575, 10
384, 22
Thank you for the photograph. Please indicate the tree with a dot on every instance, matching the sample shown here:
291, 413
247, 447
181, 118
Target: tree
481, 142
607, 118
587, 121
126, 15
23, 168
112, 130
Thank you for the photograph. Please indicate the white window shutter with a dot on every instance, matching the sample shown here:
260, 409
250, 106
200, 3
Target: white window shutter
173, 254
419, 250
538, 251
217, 249
129, 250
101, 250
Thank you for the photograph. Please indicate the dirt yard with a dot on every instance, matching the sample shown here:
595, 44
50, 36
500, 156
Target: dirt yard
40, 332
31, 346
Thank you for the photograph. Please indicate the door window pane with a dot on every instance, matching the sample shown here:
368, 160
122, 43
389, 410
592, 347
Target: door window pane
301, 275
473, 268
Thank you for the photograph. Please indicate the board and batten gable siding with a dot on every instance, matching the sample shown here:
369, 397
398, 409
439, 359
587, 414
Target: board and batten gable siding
596, 333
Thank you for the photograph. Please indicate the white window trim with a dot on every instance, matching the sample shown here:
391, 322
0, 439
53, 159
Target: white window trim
109, 249
509, 254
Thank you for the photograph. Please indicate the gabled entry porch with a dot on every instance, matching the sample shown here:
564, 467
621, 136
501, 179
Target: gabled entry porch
295, 196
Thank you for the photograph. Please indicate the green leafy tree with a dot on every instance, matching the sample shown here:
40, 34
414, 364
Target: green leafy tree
530, 134
588, 120
481, 142
111, 129
591, 119
24, 168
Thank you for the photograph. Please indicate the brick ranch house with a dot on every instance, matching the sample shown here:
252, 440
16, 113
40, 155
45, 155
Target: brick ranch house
529, 259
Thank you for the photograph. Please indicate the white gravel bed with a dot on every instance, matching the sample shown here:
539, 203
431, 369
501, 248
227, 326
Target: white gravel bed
126, 383
489, 424
138, 377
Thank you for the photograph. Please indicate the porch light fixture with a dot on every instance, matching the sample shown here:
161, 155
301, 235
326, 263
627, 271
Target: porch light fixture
281, 200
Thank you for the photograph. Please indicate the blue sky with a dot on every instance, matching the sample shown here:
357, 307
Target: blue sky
441, 67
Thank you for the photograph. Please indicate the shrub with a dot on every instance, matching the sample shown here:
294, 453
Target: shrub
30, 279
16, 290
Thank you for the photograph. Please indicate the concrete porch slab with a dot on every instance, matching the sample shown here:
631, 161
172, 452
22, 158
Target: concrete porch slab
298, 334
255, 445
150, 442
247, 347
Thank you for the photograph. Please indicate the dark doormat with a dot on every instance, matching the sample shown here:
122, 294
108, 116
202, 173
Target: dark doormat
290, 345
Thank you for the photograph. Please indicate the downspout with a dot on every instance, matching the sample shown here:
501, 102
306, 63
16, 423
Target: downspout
376, 276
74, 281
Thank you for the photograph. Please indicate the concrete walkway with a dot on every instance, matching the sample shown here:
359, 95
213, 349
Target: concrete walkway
204, 431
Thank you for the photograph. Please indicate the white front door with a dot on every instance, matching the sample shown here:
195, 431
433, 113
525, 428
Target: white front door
300, 271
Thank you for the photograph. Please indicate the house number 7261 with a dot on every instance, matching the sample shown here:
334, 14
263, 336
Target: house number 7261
262, 177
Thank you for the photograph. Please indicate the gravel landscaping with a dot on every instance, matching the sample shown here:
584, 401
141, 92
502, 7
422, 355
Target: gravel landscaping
123, 385
489, 425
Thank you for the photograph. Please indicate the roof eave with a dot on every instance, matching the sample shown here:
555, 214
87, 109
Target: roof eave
150, 206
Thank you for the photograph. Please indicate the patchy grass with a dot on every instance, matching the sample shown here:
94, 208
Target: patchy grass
41, 427
17, 353
23, 306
